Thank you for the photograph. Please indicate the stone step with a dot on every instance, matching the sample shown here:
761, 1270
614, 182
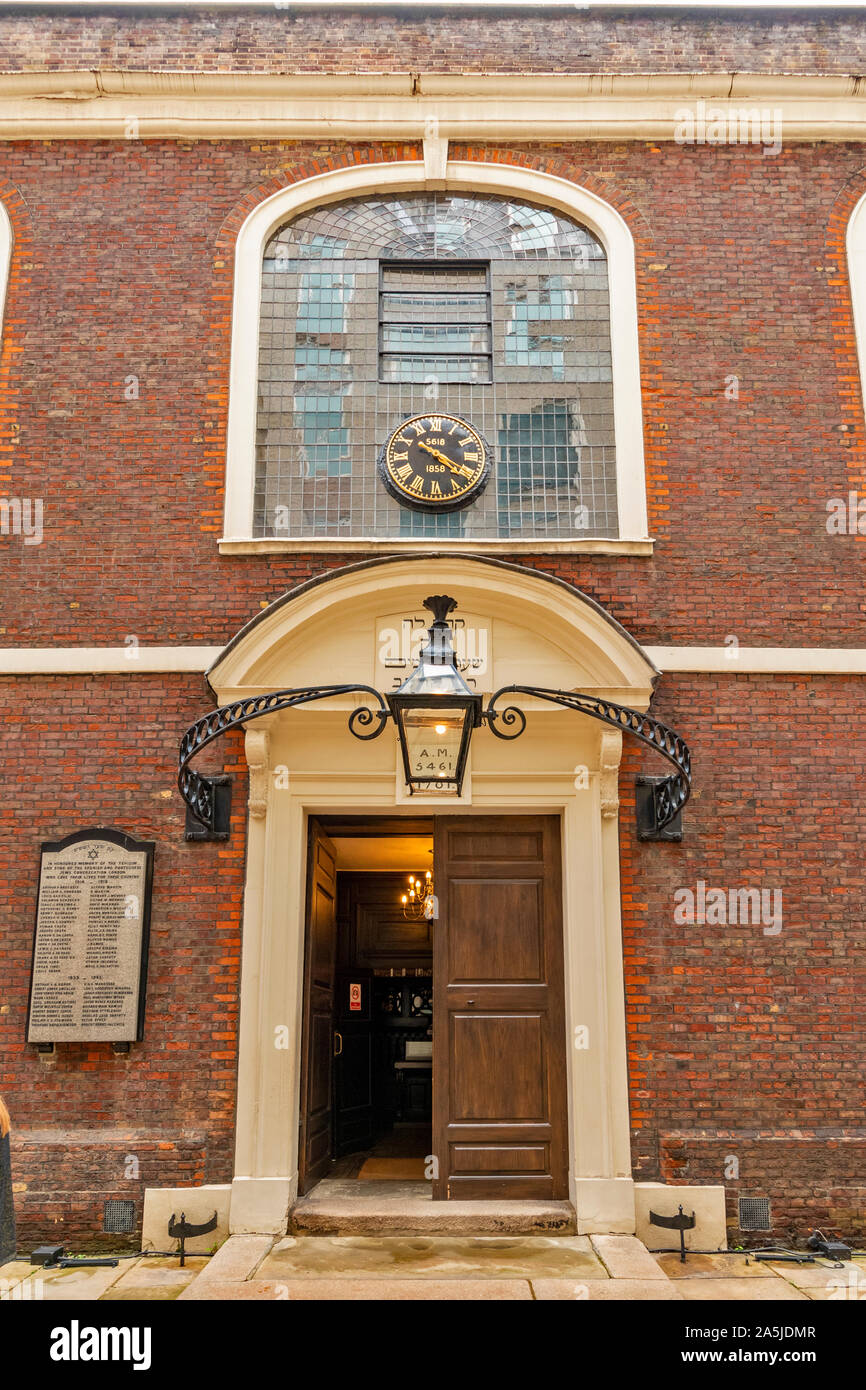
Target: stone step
417, 1216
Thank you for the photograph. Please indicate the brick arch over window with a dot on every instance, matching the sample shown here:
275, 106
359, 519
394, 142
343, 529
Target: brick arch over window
551, 195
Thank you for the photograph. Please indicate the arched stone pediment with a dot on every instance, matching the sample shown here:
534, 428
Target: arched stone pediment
359, 623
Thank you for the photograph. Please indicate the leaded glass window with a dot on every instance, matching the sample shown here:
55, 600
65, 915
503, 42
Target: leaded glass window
383, 307
434, 322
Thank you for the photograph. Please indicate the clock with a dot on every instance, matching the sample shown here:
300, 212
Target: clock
437, 463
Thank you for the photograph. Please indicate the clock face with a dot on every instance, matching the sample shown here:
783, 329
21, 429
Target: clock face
435, 462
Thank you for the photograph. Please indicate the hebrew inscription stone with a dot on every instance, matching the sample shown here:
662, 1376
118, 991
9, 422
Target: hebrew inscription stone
90, 950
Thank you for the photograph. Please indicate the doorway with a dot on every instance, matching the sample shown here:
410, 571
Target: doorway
433, 1043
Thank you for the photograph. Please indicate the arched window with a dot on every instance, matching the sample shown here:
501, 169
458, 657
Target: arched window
5, 258
384, 308
856, 248
370, 294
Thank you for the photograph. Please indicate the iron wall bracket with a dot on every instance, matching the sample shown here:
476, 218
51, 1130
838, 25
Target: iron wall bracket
197, 789
219, 798
648, 828
661, 799
668, 794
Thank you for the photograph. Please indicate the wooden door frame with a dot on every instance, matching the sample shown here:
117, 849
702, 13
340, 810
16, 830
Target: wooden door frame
266, 1165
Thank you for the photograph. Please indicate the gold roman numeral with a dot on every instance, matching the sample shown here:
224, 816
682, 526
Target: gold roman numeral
436, 423
435, 489
418, 427
403, 472
403, 455
469, 454
416, 486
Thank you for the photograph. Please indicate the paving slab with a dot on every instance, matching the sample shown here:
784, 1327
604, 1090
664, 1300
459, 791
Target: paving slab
593, 1290
376, 1215
721, 1266
432, 1257
364, 1290
237, 1259
85, 1285
20, 1280
803, 1276
738, 1290
156, 1277
16, 1270
626, 1257
823, 1282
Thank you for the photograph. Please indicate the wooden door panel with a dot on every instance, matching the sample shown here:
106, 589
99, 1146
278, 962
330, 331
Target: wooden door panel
501, 931
497, 1061
500, 1109
480, 1158
320, 953
476, 847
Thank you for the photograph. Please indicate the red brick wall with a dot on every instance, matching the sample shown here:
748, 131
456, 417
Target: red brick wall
93, 751
123, 266
732, 1032
743, 1044
416, 39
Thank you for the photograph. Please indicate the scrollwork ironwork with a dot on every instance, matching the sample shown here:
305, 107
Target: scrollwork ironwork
670, 794
196, 790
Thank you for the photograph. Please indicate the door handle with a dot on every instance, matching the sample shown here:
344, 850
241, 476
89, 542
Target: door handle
338, 1052
470, 1003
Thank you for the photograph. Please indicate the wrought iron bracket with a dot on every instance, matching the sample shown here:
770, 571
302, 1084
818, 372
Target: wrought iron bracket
197, 790
669, 794
219, 796
662, 798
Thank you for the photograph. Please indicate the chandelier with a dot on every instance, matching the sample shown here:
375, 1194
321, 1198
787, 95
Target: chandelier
417, 902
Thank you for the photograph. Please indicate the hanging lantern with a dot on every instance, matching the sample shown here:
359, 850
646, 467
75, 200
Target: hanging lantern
435, 711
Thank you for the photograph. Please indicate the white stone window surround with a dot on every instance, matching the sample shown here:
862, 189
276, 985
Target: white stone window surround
5, 259
400, 176
855, 245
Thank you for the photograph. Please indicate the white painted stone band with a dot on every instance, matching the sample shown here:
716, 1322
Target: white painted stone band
494, 106
70, 661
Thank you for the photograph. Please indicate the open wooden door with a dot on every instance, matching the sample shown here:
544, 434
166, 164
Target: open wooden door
499, 1093
317, 1047
353, 1061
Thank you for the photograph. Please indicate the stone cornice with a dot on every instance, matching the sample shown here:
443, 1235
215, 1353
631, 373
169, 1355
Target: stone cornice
106, 104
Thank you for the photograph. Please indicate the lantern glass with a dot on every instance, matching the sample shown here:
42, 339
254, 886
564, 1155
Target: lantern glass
433, 743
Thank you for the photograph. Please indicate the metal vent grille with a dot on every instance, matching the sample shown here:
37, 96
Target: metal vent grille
118, 1216
755, 1214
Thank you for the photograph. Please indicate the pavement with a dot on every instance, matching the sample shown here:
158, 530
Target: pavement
455, 1267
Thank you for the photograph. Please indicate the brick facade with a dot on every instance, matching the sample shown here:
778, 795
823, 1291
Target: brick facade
740, 1043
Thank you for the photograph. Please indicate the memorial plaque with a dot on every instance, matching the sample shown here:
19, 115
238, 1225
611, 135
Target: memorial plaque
90, 947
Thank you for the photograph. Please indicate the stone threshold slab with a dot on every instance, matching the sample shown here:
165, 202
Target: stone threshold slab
415, 1217
432, 1257
363, 1290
